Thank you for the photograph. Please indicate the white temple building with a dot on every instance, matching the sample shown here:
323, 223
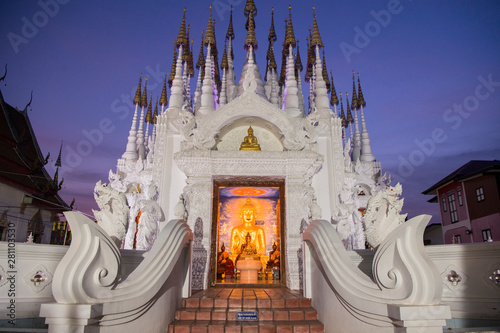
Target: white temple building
302, 156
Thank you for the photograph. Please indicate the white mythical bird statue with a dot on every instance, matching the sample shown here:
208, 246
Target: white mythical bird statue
383, 214
113, 214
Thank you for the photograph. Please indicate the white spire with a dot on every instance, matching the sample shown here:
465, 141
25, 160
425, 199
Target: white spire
356, 151
321, 100
301, 95
291, 100
176, 95
131, 150
140, 136
197, 93
231, 84
223, 96
207, 97
274, 94
366, 149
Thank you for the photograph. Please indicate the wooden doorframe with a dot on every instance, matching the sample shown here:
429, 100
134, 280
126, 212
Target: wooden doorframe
247, 181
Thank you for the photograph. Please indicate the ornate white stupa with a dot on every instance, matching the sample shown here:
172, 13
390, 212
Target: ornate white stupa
320, 158
244, 170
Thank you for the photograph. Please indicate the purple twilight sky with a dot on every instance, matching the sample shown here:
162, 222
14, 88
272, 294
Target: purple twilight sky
430, 72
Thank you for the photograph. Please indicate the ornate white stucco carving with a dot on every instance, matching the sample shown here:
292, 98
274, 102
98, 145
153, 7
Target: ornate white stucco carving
113, 214
383, 214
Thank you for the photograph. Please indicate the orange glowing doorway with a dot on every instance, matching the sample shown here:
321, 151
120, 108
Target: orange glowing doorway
267, 197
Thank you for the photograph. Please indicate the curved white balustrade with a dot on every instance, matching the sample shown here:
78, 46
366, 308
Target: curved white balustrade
89, 291
405, 290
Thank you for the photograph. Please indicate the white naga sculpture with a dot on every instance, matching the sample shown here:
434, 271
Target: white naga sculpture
383, 214
347, 221
141, 195
113, 214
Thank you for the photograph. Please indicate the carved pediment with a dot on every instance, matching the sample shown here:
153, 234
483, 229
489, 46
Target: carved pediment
267, 119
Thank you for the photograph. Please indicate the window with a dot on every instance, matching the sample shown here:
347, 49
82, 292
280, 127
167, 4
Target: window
444, 203
487, 235
453, 207
457, 239
480, 194
459, 195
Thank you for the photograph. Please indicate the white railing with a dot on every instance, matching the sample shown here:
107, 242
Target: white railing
403, 293
91, 294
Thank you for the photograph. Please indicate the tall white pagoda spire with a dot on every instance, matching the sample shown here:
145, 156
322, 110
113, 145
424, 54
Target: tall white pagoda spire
141, 150
356, 150
177, 93
232, 89
131, 149
200, 66
251, 46
207, 105
291, 99
366, 150
321, 100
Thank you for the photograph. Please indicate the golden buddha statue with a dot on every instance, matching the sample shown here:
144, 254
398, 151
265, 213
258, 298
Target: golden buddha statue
248, 230
250, 142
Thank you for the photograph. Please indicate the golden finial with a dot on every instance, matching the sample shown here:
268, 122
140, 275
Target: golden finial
144, 98
181, 38
209, 36
149, 114
186, 50
250, 8
230, 30
342, 114
251, 40
163, 98
354, 98
325, 73
333, 99
172, 70
272, 33
224, 64
361, 100
349, 117
290, 36
250, 142
298, 61
270, 56
190, 62
201, 55
137, 98
155, 114
316, 38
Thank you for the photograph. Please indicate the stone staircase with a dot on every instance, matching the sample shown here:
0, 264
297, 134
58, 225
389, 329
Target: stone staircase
216, 310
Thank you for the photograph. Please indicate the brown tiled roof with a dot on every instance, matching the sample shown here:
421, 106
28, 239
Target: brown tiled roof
467, 170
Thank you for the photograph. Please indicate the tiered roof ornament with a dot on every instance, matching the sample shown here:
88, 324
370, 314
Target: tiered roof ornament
325, 73
251, 40
354, 104
361, 99
181, 37
137, 98
230, 32
316, 37
172, 69
210, 36
334, 101
163, 97
290, 36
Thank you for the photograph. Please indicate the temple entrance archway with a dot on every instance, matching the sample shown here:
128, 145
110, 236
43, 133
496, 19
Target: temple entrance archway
267, 197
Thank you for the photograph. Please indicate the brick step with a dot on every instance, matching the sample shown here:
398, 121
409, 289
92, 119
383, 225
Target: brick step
238, 303
229, 314
263, 326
